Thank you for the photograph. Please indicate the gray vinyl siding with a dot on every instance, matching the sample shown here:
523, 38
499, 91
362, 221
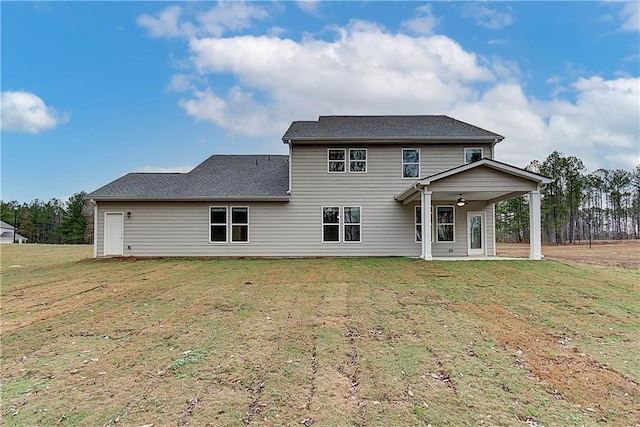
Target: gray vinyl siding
294, 228
483, 179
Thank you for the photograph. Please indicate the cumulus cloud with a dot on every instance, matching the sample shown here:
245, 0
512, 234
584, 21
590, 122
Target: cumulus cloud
602, 125
26, 112
630, 15
423, 22
487, 17
366, 69
309, 6
174, 21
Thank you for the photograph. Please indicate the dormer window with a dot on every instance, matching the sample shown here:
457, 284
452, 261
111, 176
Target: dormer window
472, 155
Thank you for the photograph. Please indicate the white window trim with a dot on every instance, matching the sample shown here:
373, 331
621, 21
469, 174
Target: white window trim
402, 163
464, 158
446, 223
345, 161
415, 224
344, 224
226, 224
231, 224
322, 224
366, 161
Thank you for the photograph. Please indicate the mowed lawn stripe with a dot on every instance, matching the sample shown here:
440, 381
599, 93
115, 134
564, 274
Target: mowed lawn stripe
379, 341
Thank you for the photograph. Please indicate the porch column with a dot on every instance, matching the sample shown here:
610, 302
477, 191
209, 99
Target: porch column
425, 208
535, 228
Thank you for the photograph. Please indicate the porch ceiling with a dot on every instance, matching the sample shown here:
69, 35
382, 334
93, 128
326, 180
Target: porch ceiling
470, 196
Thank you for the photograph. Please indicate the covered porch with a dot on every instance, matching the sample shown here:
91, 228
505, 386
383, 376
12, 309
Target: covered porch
455, 209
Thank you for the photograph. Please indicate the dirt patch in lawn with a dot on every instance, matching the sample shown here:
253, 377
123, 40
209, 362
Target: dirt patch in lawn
611, 253
597, 389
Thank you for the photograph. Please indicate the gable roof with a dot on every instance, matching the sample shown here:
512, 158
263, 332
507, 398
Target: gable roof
493, 164
387, 128
220, 177
5, 225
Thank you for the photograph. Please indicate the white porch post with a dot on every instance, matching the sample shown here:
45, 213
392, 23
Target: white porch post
425, 199
535, 228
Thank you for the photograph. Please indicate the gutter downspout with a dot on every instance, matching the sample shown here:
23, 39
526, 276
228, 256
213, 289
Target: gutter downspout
290, 165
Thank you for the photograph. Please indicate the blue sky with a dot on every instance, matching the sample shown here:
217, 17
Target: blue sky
93, 90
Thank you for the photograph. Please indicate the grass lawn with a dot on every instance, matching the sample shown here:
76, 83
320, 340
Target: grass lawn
331, 342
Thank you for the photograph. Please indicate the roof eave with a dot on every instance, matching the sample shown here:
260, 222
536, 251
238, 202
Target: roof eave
438, 139
189, 199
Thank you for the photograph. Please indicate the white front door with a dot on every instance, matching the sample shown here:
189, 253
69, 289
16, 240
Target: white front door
475, 233
113, 233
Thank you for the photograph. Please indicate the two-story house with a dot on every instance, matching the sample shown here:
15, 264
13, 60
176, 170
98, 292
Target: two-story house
417, 186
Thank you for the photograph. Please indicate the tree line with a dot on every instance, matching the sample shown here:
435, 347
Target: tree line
69, 222
576, 206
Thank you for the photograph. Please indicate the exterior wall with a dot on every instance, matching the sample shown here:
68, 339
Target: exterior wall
294, 228
459, 246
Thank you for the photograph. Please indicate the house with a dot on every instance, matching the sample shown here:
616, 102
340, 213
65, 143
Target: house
415, 186
8, 234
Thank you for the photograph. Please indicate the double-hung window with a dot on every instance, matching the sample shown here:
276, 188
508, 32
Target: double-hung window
239, 224
337, 160
351, 223
221, 222
418, 221
330, 224
472, 155
357, 160
218, 218
445, 223
338, 228
410, 162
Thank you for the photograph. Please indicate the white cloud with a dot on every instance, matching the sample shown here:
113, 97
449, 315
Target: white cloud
174, 21
366, 69
165, 24
309, 6
26, 112
602, 126
501, 42
630, 15
423, 23
487, 17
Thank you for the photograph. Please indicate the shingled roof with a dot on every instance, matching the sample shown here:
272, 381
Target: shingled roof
387, 128
220, 177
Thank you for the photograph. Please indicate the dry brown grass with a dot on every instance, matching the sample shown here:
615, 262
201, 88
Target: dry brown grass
315, 341
612, 253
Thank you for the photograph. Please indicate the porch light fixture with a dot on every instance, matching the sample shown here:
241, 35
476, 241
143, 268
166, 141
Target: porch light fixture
461, 201
128, 214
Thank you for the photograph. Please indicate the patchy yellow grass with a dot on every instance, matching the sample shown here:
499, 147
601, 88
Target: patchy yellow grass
379, 341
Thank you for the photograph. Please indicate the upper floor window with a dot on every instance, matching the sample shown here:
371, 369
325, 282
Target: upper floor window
357, 160
472, 155
337, 159
410, 163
